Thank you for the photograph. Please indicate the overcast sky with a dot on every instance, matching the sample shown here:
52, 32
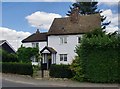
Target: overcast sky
20, 19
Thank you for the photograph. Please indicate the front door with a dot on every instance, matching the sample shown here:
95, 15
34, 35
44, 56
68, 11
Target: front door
49, 60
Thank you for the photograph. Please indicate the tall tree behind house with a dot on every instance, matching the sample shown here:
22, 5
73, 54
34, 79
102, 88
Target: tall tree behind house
87, 8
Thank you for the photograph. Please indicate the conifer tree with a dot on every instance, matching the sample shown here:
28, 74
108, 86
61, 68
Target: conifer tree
87, 8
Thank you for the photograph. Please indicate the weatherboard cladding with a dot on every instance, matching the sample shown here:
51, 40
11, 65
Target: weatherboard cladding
64, 26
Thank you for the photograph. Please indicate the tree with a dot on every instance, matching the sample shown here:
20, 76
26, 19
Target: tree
87, 8
93, 50
24, 54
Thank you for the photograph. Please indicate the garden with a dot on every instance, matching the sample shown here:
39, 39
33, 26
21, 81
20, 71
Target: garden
19, 62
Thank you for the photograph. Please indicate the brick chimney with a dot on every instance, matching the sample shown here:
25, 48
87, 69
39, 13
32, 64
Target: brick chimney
74, 15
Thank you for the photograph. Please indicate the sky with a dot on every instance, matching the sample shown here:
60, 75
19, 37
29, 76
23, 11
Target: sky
20, 19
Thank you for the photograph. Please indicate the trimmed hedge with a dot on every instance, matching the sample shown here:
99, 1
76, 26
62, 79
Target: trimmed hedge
100, 57
60, 71
17, 68
101, 65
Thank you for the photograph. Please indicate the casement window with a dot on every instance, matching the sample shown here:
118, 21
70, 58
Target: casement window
63, 40
63, 57
79, 39
35, 45
33, 59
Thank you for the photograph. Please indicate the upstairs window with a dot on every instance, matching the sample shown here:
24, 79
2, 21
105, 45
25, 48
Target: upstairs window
63, 57
79, 39
35, 45
63, 40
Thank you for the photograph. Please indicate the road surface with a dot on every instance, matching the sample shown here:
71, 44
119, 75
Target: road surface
23, 81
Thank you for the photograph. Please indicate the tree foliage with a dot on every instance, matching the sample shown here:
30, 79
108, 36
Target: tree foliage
24, 54
87, 8
98, 58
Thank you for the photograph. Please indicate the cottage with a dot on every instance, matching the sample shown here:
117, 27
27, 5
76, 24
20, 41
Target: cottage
58, 44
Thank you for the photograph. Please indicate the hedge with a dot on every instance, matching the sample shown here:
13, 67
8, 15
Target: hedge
8, 57
101, 65
100, 58
60, 71
17, 68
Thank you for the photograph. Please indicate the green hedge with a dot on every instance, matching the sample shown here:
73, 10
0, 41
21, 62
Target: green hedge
100, 57
17, 68
60, 71
101, 65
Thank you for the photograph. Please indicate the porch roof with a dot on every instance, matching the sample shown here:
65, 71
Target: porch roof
50, 49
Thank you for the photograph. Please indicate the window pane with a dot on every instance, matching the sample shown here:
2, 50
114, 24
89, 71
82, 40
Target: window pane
79, 39
61, 40
33, 44
61, 57
37, 45
65, 57
65, 39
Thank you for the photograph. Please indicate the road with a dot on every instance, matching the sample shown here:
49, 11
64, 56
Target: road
23, 81
7, 83
13, 84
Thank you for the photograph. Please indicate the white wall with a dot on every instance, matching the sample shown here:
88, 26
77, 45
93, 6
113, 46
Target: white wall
41, 45
27, 44
72, 41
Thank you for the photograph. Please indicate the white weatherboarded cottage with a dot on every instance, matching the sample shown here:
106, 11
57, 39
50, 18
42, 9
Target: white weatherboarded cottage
58, 44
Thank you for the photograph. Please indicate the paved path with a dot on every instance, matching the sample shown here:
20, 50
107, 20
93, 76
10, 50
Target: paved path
20, 79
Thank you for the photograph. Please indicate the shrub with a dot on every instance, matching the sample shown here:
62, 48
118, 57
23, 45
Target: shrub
24, 54
8, 57
100, 58
36, 68
60, 71
17, 68
77, 69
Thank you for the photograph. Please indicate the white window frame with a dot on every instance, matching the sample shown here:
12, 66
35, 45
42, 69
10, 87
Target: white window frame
64, 57
63, 40
79, 41
34, 45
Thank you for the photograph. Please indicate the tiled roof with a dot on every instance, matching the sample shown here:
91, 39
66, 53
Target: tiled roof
36, 37
64, 26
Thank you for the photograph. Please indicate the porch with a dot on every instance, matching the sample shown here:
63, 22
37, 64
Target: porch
48, 57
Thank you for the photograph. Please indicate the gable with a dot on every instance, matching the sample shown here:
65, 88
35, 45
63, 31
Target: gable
47, 49
7, 47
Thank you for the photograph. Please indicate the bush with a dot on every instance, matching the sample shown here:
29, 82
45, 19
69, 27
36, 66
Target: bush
60, 71
36, 67
77, 69
8, 57
17, 68
100, 58
25, 54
